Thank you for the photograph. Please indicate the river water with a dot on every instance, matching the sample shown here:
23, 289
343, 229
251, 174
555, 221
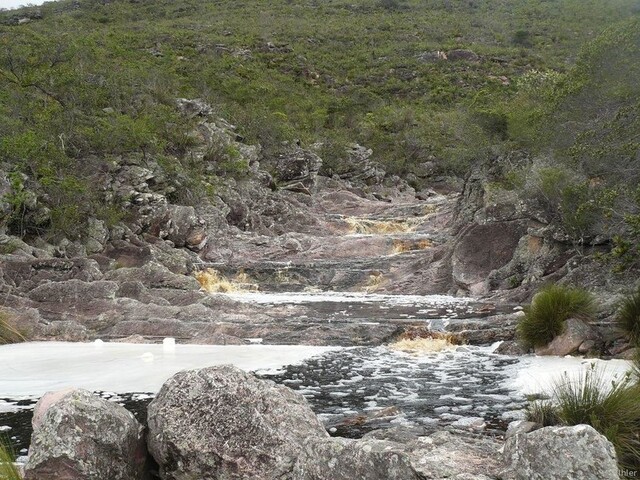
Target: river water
353, 390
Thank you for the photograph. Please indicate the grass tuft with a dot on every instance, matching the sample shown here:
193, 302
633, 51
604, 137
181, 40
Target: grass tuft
545, 318
628, 318
543, 412
9, 333
8, 469
611, 407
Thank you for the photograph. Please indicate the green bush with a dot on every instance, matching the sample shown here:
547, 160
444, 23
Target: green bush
628, 318
545, 318
612, 408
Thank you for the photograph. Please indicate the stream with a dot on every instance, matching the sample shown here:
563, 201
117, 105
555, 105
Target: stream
353, 390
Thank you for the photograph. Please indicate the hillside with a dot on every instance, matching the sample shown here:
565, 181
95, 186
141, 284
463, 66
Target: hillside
194, 129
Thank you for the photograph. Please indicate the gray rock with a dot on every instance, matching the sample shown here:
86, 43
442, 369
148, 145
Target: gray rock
96, 236
521, 426
579, 453
79, 436
575, 334
510, 347
153, 275
456, 454
73, 290
223, 423
344, 459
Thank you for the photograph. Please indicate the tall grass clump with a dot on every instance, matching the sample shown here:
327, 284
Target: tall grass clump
628, 317
8, 331
544, 412
8, 470
611, 407
545, 318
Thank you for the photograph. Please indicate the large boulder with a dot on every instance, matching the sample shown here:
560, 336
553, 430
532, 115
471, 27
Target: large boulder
576, 332
79, 436
481, 249
570, 453
344, 459
223, 423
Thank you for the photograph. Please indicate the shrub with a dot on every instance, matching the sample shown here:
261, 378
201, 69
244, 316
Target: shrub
628, 318
613, 409
545, 318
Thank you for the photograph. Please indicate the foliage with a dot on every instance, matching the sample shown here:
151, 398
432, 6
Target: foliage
613, 409
9, 333
545, 318
90, 80
543, 412
8, 471
584, 123
628, 317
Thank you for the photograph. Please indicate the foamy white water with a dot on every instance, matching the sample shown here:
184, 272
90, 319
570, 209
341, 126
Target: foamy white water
33, 368
347, 297
537, 375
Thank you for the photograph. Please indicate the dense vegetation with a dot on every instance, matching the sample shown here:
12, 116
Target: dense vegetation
546, 316
84, 83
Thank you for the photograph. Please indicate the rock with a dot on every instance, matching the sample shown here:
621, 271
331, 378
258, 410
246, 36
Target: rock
586, 346
297, 166
456, 454
73, 290
345, 459
470, 423
481, 249
153, 275
510, 347
221, 422
570, 453
575, 334
520, 427
184, 228
79, 436
96, 236
629, 354
434, 56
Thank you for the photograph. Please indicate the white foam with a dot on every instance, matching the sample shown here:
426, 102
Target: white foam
33, 368
350, 297
537, 375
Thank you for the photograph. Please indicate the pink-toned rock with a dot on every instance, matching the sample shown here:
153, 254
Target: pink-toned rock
575, 334
80, 436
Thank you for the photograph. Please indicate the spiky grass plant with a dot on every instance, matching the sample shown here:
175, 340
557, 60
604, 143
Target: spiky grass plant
543, 412
611, 407
545, 318
8, 470
628, 317
8, 331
